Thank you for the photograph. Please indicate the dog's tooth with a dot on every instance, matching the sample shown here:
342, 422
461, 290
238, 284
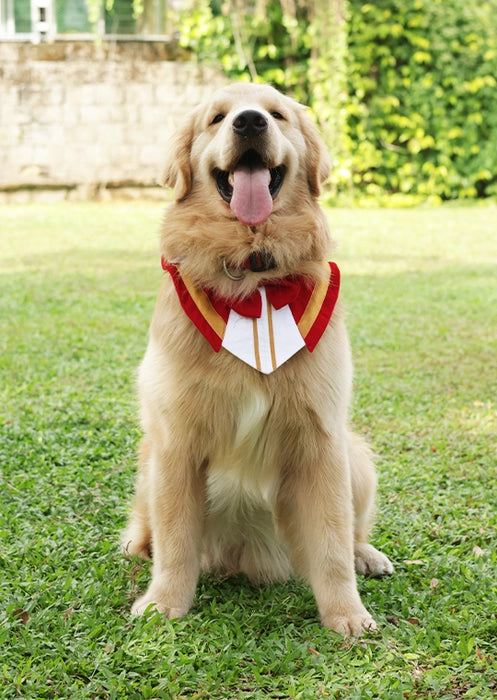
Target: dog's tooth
231, 179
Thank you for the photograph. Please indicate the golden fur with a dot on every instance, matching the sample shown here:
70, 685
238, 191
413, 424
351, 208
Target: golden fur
240, 471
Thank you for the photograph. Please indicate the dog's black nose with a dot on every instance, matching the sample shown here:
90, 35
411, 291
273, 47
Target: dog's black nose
250, 123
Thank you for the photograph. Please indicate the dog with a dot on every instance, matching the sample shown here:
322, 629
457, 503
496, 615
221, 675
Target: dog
247, 463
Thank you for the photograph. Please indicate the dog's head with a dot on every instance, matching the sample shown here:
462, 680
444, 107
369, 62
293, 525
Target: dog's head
253, 150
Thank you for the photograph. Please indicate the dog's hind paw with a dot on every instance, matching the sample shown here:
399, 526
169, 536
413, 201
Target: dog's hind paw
370, 562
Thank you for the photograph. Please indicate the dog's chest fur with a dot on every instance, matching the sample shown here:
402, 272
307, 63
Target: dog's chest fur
239, 475
242, 482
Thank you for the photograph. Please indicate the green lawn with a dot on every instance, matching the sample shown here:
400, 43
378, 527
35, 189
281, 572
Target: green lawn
77, 289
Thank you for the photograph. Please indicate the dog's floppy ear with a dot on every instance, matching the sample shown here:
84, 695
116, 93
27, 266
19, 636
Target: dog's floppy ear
318, 161
177, 172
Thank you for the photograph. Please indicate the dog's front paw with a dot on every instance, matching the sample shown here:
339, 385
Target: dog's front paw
370, 562
353, 625
149, 601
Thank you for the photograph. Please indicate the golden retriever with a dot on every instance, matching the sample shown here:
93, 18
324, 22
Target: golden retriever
247, 463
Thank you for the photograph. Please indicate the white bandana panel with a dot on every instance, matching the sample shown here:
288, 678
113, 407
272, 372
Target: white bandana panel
264, 343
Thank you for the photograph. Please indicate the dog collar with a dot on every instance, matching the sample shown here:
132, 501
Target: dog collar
259, 262
256, 262
268, 327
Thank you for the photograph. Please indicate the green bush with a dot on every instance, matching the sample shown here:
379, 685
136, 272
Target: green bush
422, 97
260, 43
415, 99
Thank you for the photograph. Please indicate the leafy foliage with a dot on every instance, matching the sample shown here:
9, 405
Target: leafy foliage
252, 41
410, 107
422, 105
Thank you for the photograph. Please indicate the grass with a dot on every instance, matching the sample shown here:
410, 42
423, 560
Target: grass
78, 284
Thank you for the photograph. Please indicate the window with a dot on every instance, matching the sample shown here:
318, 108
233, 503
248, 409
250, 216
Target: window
71, 17
37, 20
22, 15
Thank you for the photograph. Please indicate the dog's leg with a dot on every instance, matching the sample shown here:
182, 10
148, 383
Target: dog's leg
176, 506
315, 515
368, 560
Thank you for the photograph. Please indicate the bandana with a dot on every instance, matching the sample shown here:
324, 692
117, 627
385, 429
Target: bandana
268, 327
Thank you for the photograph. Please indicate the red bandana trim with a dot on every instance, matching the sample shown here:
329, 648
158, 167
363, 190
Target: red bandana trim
311, 305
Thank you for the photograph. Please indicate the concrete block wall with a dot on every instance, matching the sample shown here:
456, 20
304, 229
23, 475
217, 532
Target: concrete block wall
77, 119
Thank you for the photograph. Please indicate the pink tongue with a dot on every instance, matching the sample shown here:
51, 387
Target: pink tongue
251, 202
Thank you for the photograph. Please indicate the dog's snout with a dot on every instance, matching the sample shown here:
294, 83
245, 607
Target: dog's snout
250, 123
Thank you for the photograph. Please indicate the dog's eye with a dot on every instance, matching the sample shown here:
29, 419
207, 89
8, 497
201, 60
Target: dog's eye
218, 118
277, 115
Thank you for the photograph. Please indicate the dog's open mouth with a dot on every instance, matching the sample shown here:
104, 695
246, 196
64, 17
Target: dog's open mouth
250, 187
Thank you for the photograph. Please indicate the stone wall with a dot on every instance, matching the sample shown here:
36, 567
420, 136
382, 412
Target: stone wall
78, 120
